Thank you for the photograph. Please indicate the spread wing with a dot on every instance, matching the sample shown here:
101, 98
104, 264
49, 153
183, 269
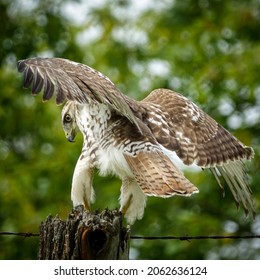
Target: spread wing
74, 81
181, 126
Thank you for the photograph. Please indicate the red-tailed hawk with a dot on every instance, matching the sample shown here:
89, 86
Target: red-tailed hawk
136, 140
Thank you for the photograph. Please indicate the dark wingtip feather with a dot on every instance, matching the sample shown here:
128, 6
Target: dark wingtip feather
37, 84
40, 79
60, 98
28, 77
48, 89
21, 66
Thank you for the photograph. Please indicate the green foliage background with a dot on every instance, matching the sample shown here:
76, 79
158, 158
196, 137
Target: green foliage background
207, 50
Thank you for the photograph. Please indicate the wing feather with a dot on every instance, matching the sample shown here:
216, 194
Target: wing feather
191, 133
28, 76
197, 138
74, 81
38, 83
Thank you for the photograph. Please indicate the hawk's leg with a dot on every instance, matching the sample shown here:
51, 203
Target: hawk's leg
132, 200
82, 192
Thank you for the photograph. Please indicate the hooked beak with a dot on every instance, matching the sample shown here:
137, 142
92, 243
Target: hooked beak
70, 138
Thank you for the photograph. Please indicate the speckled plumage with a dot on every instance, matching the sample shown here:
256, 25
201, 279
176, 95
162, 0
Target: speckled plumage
136, 140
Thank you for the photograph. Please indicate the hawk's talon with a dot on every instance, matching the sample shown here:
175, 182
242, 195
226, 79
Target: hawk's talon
79, 209
125, 207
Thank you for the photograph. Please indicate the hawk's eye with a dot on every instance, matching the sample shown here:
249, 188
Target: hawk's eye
67, 118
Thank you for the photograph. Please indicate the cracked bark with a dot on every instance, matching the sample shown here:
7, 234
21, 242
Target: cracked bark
84, 235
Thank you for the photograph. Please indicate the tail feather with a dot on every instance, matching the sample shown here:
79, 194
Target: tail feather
158, 176
236, 178
215, 172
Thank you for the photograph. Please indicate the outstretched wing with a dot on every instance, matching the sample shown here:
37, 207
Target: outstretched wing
191, 133
197, 138
74, 81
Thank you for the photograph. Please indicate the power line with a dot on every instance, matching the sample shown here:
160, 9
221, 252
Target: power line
24, 234
188, 238
169, 237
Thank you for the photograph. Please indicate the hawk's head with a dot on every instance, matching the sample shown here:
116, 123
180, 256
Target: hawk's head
68, 120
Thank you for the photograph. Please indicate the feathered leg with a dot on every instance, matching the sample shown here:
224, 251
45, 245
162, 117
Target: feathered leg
82, 192
132, 200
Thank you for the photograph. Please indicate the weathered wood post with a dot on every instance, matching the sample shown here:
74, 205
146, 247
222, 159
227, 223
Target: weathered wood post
85, 235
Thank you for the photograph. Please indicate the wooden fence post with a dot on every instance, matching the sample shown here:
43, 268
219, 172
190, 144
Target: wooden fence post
85, 235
